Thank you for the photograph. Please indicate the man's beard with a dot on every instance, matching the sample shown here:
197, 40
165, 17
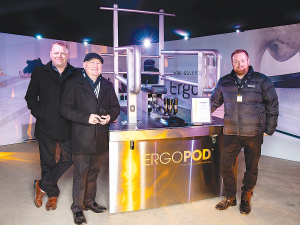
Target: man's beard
241, 72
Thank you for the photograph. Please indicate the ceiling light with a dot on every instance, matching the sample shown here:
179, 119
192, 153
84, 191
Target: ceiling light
147, 43
182, 33
86, 41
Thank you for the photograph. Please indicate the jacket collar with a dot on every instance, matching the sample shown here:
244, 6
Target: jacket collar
248, 75
52, 73
104, 87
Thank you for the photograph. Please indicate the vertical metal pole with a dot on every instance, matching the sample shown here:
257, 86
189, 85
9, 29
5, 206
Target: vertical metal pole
131, 97
219, 57
161, 46
204, 72
201, 68
113, 183
137, 70
116, 54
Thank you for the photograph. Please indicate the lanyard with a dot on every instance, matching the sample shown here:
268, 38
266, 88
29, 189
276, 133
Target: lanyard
241, 85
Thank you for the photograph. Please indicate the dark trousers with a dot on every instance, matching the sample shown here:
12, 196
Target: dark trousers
86, 170
52, 171
252, 151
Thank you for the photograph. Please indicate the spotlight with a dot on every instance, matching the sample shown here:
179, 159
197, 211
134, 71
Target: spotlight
183, 33
38, 36
147, 43
238, 29
86, 41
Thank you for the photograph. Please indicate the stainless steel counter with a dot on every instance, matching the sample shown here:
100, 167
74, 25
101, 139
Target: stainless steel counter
151, 165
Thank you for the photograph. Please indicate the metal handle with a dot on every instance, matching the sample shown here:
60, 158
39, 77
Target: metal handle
137, 71
134, 56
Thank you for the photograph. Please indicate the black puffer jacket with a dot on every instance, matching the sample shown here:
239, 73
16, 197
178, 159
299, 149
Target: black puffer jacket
258, 111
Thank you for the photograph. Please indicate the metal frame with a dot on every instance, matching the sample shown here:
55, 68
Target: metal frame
131, 95
161, 15
133, 80
136, 64
201, 53
123, 158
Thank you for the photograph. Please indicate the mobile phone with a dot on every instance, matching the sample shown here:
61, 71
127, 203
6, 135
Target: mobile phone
103, 112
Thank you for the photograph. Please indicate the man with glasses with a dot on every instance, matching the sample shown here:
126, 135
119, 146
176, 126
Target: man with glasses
90, 102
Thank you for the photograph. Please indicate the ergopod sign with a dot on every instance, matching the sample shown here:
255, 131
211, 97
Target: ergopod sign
186, 157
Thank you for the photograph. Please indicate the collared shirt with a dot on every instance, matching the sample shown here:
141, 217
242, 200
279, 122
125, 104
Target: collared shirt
60, 75
95, 85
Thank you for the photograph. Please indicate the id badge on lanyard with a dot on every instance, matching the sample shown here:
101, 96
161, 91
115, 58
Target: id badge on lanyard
239, 98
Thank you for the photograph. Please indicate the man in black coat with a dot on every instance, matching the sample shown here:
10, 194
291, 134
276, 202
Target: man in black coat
90, 102
43, 99
251, 112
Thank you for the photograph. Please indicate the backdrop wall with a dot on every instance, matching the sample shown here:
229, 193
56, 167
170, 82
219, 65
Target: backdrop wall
273, 51
18, 56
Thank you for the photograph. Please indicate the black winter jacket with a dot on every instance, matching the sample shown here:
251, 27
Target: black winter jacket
258, 111
78, 103
43, 99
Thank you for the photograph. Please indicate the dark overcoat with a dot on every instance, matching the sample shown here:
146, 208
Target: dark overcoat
78, 103
43, 99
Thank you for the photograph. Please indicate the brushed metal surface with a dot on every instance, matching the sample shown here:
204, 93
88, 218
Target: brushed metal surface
149, 128
159, 133
162, 172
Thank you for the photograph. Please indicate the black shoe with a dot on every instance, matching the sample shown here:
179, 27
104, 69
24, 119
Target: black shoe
95, 208
79, 218
245, 207
226, 203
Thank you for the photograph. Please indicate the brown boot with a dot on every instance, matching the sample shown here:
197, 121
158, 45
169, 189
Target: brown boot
226, 203
51, 204
245, 207
38, 194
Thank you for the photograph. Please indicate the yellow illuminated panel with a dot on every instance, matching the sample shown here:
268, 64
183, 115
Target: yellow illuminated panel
11, 157
163, 172
130, 198
29, 127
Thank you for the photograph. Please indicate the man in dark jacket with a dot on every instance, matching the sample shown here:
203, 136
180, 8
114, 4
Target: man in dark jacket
43, 99
90, 102
251, 112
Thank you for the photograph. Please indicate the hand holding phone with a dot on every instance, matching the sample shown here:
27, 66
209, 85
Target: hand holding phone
94, 119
